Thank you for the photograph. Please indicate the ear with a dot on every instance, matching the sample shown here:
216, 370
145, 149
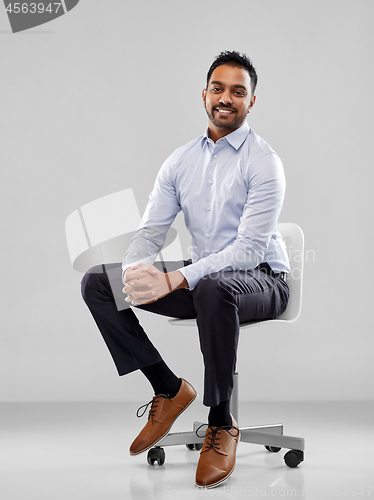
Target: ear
253, 100
204, 96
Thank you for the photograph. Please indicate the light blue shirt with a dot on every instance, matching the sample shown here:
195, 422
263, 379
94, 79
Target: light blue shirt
231, 193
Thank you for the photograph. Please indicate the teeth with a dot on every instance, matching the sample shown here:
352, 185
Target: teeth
224, 111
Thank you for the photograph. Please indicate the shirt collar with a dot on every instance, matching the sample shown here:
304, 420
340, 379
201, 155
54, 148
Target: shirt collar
236, 138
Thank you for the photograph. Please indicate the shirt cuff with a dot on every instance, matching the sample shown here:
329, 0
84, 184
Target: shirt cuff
183, 270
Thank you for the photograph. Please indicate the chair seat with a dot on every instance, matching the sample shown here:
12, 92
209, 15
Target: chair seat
192, 322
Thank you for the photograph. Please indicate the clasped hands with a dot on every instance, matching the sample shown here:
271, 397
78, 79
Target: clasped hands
145, 284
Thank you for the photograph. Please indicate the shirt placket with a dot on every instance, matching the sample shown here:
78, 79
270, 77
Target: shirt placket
209, 201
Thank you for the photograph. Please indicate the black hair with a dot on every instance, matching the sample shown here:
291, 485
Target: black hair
233, 58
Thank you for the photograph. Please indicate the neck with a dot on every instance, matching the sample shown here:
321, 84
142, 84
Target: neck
215, 134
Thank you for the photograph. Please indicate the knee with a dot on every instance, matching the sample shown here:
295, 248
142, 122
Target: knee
90, 281
211, 291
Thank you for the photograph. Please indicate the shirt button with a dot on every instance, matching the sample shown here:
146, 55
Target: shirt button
215, 156
208, 208
210, 182
208, 235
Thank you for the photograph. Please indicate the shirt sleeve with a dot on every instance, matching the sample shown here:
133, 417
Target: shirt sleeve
161, 210
257, 224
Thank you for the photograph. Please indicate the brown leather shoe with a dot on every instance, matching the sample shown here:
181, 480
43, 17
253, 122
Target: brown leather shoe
162, 414
217, 456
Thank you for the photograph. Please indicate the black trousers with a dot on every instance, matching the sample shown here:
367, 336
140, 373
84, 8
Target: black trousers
219, 302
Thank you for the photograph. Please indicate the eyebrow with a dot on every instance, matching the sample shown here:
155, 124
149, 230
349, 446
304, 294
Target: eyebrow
216, 82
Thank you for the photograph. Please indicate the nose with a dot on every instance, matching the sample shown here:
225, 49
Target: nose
225, 98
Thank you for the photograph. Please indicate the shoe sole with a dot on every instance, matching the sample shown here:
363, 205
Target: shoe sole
167, 432
213, 485
210, 486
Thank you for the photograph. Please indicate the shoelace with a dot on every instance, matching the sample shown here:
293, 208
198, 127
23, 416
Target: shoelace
153, 404
211, 435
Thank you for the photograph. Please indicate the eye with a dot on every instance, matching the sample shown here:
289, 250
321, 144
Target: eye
240, 93
215, 89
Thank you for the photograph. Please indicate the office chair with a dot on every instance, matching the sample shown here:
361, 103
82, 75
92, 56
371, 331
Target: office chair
271, 436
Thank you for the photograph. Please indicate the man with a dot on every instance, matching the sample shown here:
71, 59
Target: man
230, 185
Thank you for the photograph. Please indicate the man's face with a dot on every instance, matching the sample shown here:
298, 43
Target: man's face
227, 100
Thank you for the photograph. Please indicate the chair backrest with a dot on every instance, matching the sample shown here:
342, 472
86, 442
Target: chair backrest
101, 231
293, 238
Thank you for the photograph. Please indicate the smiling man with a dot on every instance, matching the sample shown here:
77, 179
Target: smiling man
230, 185
228, 99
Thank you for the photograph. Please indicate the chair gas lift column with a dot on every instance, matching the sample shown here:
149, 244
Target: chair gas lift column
271, 436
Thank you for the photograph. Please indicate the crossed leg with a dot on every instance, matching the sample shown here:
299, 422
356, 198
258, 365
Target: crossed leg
219, 302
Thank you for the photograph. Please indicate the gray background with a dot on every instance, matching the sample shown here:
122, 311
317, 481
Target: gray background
93, 102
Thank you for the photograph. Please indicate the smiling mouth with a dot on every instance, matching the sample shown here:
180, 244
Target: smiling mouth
224, 110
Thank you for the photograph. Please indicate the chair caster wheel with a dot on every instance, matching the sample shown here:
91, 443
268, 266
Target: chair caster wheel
194, 447
156, 455
273, 449
293, 458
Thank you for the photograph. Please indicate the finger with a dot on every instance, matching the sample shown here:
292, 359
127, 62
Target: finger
133, 273
126, 273
140, 296
136, 266
143, 295
140, 302
135, 286
152, 270
129, 297
139, 270
132, 277
140, 283
129, 287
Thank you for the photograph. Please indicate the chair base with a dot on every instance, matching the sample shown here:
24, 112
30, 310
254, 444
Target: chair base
271, 436
267, 435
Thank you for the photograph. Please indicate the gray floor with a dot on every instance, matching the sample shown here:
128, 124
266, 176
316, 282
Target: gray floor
79, 451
